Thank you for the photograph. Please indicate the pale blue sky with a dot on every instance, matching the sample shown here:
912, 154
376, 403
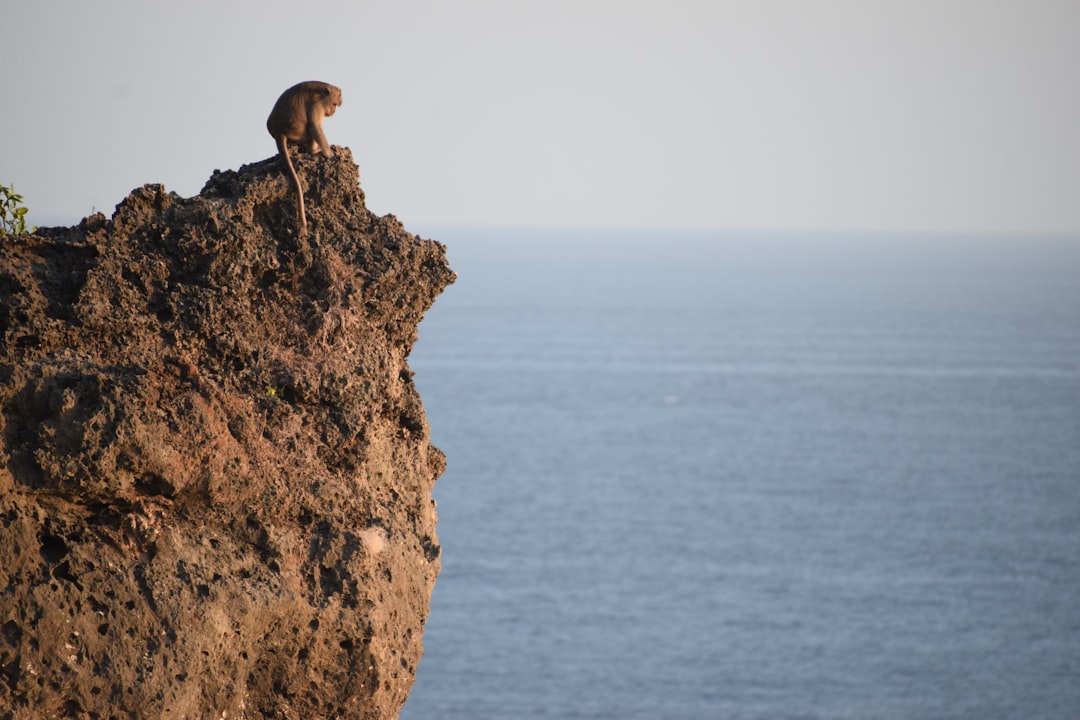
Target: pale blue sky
937, 115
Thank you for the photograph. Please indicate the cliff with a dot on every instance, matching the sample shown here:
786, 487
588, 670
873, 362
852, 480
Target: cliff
215, 470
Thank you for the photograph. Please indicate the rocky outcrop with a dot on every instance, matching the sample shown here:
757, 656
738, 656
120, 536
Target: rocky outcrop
215, 470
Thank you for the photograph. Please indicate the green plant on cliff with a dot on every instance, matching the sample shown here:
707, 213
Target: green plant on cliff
12, 212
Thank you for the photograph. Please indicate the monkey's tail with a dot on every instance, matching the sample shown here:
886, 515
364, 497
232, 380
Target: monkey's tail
283, 148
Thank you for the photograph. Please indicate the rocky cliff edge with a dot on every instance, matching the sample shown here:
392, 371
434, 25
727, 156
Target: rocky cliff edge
215, 470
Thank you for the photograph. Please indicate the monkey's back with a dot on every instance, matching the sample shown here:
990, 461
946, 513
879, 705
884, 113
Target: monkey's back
289, 115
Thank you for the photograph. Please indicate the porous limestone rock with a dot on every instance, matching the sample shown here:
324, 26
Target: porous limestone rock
215, 469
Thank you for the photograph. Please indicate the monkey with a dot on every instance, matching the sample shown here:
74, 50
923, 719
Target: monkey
297, 118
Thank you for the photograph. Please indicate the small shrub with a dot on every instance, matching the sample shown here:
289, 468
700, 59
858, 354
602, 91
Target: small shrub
12, 212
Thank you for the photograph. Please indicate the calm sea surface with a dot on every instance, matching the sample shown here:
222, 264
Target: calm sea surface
720, 477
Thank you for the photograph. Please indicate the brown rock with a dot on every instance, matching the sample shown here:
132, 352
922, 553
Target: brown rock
215, 470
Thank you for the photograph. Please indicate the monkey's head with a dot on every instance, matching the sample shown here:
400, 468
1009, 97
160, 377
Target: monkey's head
331, 99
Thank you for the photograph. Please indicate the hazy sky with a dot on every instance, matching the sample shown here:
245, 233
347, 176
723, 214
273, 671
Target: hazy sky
942, 115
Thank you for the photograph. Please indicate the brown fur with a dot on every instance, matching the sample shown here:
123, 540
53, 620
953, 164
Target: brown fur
297, 119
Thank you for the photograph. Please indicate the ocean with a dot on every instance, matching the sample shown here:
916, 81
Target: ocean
702, 475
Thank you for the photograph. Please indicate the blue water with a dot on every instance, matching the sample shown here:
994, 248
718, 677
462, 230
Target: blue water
697, 476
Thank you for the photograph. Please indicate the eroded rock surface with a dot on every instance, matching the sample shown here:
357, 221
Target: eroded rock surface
215, 470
